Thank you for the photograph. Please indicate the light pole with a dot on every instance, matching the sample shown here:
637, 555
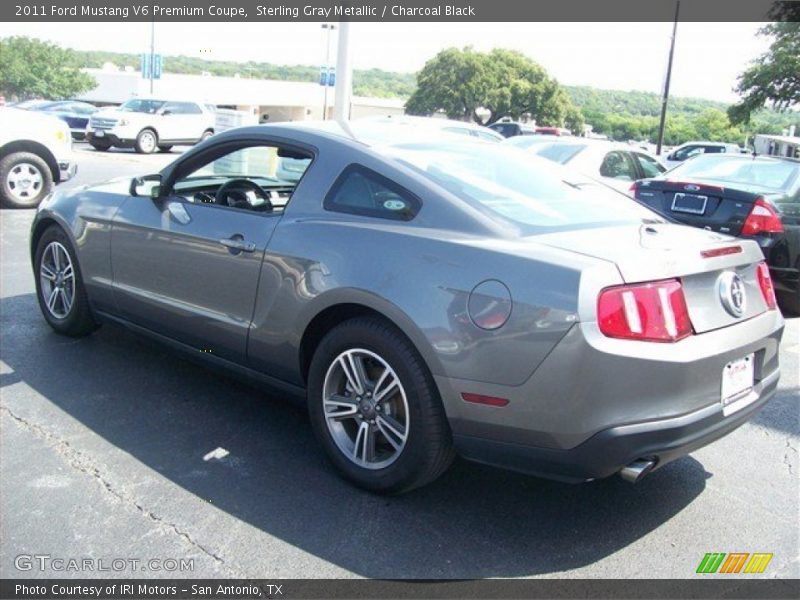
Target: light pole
330, 27
152, 51
665, 97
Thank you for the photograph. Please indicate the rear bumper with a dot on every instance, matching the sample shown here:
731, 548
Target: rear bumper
781, 259
608, 451
66, 170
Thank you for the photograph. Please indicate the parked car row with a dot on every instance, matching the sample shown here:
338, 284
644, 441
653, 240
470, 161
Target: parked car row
145, 124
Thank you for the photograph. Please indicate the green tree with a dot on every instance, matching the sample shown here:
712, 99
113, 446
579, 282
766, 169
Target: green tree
454, 81
574, 120
503, 82
31, 68
774, 78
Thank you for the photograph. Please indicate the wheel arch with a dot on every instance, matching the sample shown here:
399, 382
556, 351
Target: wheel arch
42, 225
339, 310
36, 148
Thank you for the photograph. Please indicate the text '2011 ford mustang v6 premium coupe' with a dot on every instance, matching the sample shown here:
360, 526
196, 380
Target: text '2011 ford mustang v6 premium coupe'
427, 297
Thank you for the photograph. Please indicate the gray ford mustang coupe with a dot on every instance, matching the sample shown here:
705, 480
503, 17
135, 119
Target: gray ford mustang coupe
427, 297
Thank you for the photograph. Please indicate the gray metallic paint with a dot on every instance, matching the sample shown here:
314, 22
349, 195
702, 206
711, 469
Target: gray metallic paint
564, 379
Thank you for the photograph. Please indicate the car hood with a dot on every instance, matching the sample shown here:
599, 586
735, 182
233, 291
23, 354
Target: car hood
112, 113
649, 252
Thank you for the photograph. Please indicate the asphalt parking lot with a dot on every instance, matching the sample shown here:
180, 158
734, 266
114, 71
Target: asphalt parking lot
113, 447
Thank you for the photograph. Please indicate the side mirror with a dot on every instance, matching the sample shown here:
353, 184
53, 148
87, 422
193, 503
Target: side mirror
147, 185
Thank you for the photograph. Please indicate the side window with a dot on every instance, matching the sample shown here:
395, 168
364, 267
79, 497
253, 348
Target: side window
618, 165
242, 177
360, 191
172, 108
713, 149
688, 152
189, 108
650, 166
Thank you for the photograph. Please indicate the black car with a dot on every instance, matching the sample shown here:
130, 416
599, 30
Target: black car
510, 128
753, 197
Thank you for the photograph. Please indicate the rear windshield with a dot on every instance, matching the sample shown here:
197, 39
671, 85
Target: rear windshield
522, 188
771, 174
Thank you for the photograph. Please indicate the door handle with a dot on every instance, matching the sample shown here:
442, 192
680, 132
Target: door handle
237, 243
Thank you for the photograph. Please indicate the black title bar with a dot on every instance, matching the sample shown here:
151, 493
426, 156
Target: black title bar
397, 11
206, 589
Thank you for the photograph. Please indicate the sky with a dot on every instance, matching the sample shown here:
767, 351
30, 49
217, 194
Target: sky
623, 56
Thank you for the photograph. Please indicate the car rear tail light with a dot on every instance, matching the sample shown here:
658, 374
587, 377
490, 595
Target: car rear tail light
765, 283
633, 188
763, 218
653, 312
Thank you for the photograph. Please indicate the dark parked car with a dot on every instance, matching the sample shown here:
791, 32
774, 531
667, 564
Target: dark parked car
750, 197
426, 298
73, 113
512, 128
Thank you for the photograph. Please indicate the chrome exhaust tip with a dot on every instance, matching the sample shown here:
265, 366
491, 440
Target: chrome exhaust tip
636, 470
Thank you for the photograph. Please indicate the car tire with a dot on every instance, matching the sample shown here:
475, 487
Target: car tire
164, 147
25, 179
59, 285
100, 146
146, 141
388, 444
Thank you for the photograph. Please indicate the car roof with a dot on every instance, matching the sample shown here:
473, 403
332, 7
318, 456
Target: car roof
372, 132
707, 143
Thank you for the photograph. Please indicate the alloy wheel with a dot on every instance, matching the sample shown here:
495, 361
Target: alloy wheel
365, 408
57, 279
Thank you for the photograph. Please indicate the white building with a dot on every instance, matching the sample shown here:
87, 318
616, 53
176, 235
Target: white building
777, 145
269, 100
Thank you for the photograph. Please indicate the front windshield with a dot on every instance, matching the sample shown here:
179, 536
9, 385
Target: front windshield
771, 174
142, 106
519, 187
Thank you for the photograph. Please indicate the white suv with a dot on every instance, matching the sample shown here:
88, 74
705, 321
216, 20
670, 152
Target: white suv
692, 149
35, 153
147, 124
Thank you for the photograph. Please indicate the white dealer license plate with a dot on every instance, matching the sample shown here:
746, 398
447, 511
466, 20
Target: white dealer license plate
99, 133
737, 384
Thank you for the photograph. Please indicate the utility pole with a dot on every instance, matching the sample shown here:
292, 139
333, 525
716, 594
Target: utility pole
330, 27
152, 52
344, 78
665, 96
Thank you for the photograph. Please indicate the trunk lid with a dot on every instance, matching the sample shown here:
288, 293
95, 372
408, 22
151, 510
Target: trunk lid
652, 252
700, 203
